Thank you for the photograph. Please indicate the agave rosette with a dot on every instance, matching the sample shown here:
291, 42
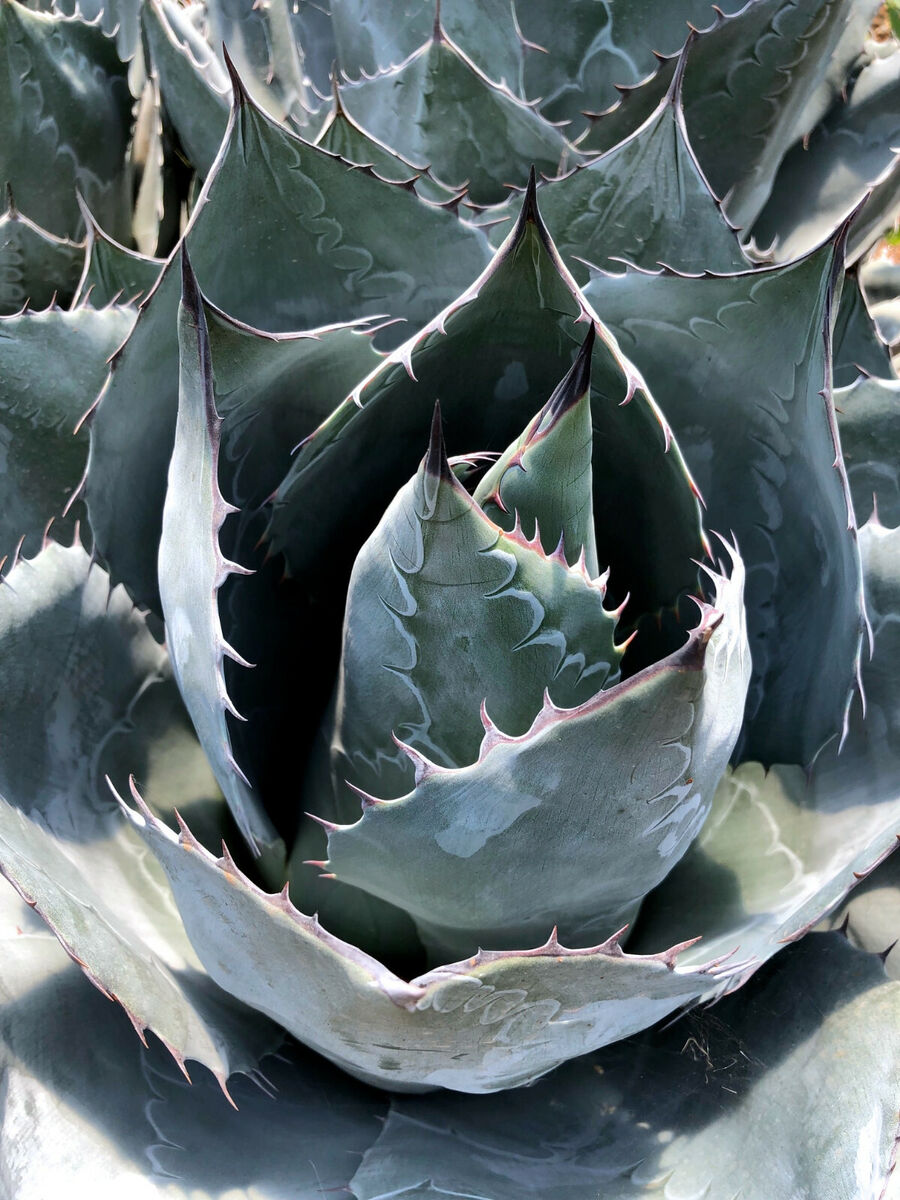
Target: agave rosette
534, 662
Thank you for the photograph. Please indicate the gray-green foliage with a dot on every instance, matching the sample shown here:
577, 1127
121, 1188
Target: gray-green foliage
480, 643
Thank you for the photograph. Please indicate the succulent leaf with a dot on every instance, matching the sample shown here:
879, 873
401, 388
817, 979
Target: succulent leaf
880, 279
63, 80
783, 847
556, 446
857, 346
76, 657
645, 200
868, 420
613, 791
524, 622
578, 64
37, 268
297, 202
821, 180
372, 38
750, 80
489, 386
262, 46
193, 84
192, 568
428, 107
113, 273
787, 1089
493, 1021
341, 135
51, 361
760, 434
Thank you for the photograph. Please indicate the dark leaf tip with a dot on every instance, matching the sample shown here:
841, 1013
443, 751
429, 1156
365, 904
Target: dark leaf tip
237, 84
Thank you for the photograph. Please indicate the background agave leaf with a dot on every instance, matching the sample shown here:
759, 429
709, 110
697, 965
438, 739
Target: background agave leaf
193, 84
645, 200
65, 84
868, 413
527, 295
51, 361
36, 267
857, 345
760, 436
119, 19
782, 847
749, 86
260, 40
822, 178
881, 279
94, 1102
613, 791
260, 274
112, 272
871, 916
372, 37
343, 136
76, 658
314, 32
599, 46
429, 107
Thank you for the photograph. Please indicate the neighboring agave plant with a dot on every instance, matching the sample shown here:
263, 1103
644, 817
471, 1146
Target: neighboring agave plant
533, 663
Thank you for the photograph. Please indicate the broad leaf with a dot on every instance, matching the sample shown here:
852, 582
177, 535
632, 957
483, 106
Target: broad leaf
261, 44
782, 848
869, 423
787, 1089
481, 1025
63, 81
88, 1109
521, 623
646, 200
192, 83
492, 358
192, 568
438, 108
576, 64
341, 135
37, 268
858, 347
750, 80
75, 659
732, 1097
759, 432
612, 790
543, 483
53, 362
298, 203
821, 180
880, 278
113, 273
373, 37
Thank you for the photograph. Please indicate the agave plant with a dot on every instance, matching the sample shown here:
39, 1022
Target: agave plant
466, 641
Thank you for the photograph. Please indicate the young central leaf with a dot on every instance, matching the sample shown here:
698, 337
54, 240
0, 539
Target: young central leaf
557, 445
446, 610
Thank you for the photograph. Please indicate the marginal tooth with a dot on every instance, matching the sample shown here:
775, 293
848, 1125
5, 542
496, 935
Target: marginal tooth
669, 956
328, 826
424, 767
365, 799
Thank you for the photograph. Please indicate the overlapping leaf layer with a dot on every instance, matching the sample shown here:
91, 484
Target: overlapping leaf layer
449, 502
